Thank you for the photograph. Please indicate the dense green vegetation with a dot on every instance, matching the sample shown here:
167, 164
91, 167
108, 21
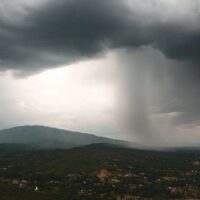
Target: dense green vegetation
99, 171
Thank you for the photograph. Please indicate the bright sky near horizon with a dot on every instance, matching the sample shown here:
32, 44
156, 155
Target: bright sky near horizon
76, 97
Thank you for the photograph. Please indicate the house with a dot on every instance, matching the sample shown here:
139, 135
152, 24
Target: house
15, 182
36, 189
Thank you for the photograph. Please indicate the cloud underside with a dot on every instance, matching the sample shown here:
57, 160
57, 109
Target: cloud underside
61, 32
64, 31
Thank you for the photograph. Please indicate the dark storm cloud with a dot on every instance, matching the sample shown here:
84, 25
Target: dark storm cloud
60, 32
180, 45
64, 31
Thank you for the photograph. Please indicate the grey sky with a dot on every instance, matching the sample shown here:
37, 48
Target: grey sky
140, 57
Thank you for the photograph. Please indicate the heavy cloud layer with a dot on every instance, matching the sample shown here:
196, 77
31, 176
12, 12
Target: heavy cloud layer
54, 33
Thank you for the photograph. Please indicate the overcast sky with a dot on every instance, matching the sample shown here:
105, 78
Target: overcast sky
124, 69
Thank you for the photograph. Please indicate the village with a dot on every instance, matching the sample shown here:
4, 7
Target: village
116, 181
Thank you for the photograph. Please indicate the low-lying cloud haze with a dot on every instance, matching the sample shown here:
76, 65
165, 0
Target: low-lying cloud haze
124, 69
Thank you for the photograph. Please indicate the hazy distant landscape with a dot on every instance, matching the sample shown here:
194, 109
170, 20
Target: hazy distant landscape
99, 100
95, 168
41, 137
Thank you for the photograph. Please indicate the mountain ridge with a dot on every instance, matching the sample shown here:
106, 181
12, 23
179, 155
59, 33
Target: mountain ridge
44, 137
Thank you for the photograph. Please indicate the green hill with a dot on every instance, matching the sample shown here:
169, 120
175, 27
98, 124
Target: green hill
42, 137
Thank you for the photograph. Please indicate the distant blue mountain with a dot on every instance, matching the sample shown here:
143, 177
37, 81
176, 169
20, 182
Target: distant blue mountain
42, 137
